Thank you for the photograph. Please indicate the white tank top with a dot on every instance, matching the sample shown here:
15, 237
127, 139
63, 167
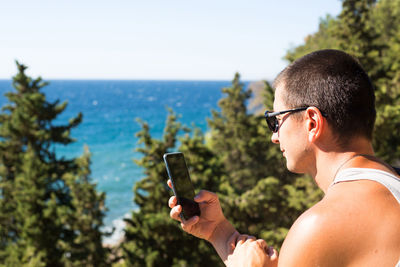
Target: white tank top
388, 180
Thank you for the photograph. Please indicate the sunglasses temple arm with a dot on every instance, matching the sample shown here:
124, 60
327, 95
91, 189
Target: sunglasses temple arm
273, 114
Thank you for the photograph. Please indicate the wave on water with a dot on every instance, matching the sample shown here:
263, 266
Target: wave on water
118, 225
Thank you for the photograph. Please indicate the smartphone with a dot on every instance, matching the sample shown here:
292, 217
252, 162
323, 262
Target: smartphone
181, 184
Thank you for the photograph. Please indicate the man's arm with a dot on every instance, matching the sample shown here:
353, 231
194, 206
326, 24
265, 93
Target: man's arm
224, 239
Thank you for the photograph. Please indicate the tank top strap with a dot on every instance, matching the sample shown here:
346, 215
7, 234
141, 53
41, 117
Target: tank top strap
390, 181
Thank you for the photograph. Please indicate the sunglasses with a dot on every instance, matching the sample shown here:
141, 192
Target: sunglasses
272, 121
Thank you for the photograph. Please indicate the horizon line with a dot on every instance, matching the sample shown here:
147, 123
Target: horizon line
149, 80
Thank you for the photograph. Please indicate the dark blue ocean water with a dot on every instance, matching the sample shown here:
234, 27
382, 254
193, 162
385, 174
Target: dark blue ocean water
109, 111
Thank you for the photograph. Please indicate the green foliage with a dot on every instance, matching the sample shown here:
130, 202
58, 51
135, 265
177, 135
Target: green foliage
50, 212
85, 218
234, 135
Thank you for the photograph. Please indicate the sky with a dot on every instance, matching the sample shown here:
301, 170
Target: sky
155, 39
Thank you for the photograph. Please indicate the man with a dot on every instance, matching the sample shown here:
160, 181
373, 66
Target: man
323, 121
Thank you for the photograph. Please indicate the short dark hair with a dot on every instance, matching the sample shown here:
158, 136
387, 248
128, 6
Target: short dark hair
335, 83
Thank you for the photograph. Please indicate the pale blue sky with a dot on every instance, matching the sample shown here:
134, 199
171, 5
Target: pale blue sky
175, 39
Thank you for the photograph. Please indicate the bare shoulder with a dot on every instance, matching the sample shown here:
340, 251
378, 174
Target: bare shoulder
311, 239
350, 226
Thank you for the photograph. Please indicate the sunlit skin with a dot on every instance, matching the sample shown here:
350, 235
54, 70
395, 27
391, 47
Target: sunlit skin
355, 224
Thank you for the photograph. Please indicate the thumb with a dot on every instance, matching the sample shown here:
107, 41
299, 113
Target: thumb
205, 196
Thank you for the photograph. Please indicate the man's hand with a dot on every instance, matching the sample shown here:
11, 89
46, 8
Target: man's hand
211, 225
252, 252
211, 215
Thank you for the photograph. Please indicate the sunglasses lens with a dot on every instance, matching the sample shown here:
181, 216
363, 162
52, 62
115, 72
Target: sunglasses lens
273, 124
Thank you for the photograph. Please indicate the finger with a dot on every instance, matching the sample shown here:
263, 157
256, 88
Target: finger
250, 237
232, 241
189, 223
205, 196
169, 183
272, 253
172, 202
263, 245
241, 239
175, 211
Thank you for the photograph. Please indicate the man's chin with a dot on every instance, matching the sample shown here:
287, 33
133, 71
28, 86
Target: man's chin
296, 172
293, 169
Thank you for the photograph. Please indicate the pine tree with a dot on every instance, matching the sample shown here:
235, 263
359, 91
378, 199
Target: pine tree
234, 137
85, 218
385, 19
358, 36
41, 217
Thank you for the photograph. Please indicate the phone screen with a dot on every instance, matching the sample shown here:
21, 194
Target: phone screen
182, 186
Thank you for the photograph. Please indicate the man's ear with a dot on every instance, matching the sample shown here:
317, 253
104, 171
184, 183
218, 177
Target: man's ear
315, 123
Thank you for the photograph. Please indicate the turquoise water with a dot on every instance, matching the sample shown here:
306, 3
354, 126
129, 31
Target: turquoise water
109, 111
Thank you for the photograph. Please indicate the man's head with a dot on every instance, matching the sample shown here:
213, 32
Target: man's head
337, 85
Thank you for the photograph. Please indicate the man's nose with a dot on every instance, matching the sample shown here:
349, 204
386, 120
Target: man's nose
275, 138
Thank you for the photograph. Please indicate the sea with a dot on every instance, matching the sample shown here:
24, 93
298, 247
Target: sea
110, 111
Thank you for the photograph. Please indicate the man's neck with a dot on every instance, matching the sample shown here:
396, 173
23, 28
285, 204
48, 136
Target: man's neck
329, 163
